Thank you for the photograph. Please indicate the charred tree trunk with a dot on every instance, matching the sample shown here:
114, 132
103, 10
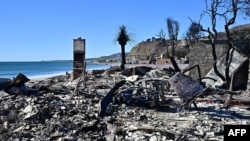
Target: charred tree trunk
230, 41
212, 39
123, 54
173, 48
216, 71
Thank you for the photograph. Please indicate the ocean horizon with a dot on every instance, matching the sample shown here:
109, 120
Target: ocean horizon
41, 69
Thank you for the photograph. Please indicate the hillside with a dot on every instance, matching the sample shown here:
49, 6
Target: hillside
160, 46
148, 48
145, 49
240, 32
113, 58
156, 47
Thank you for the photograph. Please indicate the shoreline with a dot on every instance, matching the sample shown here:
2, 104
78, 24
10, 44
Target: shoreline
47, 74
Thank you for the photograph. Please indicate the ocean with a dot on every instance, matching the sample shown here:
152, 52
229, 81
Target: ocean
41, 69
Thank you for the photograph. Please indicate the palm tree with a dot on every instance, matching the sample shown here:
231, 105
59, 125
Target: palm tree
123, 37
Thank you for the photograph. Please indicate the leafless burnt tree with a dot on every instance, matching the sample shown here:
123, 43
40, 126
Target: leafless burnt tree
194, 33
227, 10
173, 31
161, 34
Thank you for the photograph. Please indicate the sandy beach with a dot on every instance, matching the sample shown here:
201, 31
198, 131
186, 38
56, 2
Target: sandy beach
58, 113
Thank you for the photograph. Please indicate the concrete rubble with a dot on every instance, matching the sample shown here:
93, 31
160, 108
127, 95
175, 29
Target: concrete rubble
57, 113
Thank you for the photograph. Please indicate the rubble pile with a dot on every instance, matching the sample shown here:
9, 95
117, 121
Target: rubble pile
52, 115
57, 113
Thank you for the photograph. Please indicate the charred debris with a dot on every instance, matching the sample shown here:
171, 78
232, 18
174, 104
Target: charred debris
139, 103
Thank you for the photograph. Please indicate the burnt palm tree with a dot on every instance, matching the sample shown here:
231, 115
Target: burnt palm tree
123, 37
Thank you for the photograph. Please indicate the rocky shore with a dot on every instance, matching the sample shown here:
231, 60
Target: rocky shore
57, 113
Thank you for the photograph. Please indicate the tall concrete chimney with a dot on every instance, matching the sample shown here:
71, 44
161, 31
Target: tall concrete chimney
79, 64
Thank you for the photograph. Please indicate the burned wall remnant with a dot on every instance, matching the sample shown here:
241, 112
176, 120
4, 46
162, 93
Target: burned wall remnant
79, 57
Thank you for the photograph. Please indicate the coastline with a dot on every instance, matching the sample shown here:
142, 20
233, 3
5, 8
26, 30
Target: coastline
34, 70
45, 76
40, 77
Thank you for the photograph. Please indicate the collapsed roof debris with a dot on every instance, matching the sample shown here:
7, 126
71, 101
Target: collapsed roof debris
113, 107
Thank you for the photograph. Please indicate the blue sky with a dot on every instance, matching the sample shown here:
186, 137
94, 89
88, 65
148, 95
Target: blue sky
34, 30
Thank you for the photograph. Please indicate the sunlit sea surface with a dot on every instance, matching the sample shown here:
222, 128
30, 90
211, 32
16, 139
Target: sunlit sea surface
41, 69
